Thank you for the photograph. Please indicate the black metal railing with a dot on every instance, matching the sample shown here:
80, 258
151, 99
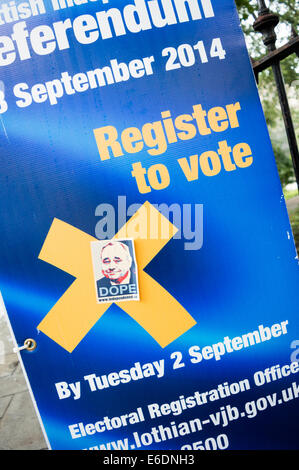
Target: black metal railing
265, 24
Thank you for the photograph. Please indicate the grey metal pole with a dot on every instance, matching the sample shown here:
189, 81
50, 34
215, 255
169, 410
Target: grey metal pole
287, 117
265, 24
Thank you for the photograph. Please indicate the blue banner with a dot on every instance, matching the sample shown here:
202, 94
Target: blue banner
145, 243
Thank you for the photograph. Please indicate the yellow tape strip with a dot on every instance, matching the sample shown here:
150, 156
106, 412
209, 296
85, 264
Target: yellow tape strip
76, 312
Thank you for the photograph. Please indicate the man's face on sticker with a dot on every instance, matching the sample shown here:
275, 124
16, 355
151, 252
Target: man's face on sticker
116, 261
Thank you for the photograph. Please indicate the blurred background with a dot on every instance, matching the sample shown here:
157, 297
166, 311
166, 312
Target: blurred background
286, 32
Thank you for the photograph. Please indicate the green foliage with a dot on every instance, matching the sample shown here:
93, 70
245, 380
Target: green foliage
289, 18
286, 9
284, 164
294, 219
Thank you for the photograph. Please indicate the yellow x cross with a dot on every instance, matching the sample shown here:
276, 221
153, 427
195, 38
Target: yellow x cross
77, 311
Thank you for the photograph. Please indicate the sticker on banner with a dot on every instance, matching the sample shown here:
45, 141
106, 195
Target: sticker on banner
115, 270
